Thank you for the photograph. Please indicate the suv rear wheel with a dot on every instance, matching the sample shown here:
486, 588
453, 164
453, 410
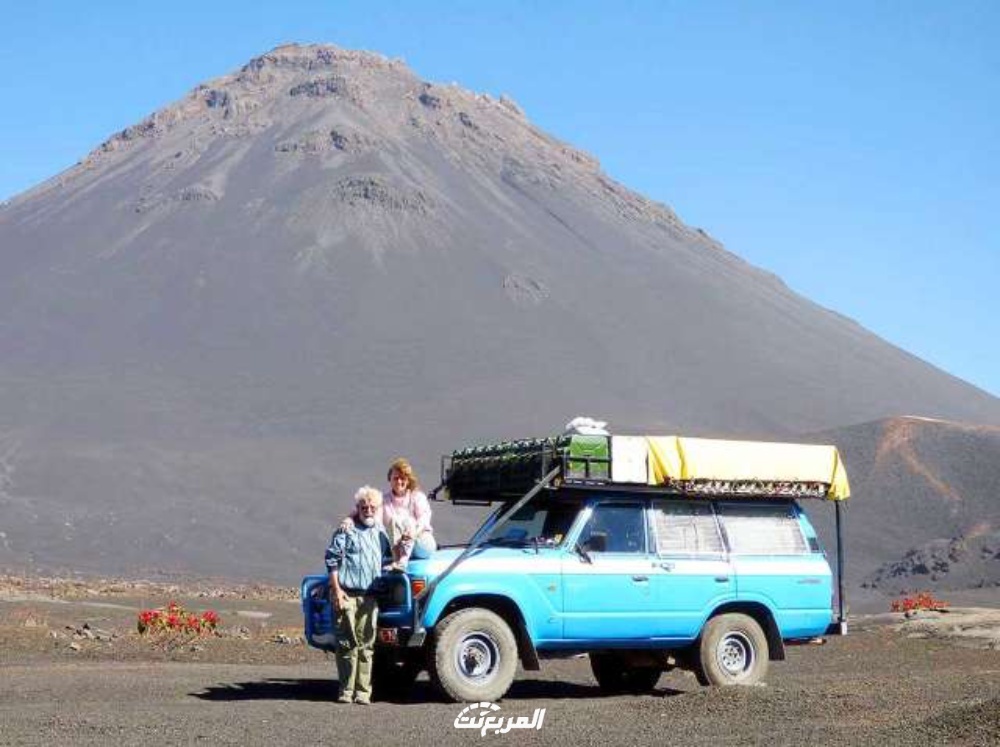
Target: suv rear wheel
732, 651
614, 676
475, 656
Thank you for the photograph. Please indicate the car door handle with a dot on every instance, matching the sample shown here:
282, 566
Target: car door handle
722, 579
667, 565
640, 579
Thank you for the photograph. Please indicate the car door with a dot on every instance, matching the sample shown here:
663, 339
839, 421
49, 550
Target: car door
691, 571
320, 625
609, 598
775, 564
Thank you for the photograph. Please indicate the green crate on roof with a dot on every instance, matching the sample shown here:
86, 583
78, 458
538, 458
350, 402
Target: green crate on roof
588, 458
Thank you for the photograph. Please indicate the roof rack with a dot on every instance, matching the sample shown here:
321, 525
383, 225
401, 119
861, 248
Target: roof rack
515, 471
507, 470
674, 465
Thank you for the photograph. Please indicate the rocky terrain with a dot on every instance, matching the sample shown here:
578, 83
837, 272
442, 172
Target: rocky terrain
73, 669
231, 314
925, 506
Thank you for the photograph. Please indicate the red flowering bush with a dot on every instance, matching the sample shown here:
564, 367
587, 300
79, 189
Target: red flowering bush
922, 600
175, 619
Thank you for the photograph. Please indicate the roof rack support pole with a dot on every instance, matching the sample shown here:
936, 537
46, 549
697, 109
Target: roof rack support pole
422, 601
842, 615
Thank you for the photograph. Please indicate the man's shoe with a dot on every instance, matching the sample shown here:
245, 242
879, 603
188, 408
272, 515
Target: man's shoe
346, 698
363, 701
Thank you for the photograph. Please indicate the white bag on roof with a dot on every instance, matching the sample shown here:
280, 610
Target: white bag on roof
585, 426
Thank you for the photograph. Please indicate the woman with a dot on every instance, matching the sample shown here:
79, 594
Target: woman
406, 514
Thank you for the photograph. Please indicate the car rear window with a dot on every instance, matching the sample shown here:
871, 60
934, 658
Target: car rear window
685, 528
754, 529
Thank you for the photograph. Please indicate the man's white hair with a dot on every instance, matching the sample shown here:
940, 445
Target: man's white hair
368, 494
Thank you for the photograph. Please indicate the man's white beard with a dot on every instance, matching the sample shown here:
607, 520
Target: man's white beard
368, 521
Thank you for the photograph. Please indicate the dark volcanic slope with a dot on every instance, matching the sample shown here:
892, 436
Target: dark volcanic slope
925, 505
252, 300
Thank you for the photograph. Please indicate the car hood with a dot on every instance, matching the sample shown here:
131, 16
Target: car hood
436, 564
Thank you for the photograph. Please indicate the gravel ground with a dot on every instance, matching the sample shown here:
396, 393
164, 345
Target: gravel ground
887, 683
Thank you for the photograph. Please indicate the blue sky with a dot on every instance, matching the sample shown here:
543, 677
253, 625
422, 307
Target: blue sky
851, 148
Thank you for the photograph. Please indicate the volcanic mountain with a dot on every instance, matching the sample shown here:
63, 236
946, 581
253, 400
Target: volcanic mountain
231, 314
926, 507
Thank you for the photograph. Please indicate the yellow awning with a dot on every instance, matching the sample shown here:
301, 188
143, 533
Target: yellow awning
680, 458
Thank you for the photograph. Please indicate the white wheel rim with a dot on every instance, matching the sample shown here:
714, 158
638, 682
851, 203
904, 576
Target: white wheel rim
476, 657
736, 654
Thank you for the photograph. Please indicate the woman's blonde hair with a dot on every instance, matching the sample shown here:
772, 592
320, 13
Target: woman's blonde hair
369, 495
403, 467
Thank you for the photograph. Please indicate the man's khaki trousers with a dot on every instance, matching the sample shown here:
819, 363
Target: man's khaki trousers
356, 623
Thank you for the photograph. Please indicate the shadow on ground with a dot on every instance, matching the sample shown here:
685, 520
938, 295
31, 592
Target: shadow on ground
325, 690
272, 689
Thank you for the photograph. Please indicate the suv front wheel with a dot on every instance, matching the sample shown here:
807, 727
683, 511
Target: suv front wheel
475, 656
732, 651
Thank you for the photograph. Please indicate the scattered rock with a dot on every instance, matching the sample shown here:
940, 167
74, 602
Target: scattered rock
242, 632
524, 291
315, 141
430, 100
215, 98
378, 192
466, 120
195, 193
959, 562
970, 627
520, 174
512, 106
310, 143
334, 85
350, 142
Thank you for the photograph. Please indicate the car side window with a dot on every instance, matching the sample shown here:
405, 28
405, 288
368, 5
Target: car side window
762, 529
685, 528
615, 528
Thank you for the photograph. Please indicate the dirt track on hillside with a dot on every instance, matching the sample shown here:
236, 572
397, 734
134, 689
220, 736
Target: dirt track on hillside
884, 684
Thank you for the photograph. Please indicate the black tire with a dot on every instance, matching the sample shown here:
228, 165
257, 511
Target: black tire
732, 651
474, 656
393, 674
615, 677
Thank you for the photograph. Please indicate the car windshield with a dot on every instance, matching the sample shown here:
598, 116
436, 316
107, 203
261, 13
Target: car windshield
545, 520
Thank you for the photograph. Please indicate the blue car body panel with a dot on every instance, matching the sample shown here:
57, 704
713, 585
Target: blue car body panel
317, 611
573, 600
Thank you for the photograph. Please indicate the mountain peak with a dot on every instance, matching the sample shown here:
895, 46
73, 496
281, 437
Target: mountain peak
320, 105
317, 57
295, 87
244, 306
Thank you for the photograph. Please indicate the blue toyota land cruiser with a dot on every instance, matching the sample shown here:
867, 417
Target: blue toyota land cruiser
646, 553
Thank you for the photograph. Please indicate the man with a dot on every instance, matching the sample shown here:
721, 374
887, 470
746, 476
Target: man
354, 560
